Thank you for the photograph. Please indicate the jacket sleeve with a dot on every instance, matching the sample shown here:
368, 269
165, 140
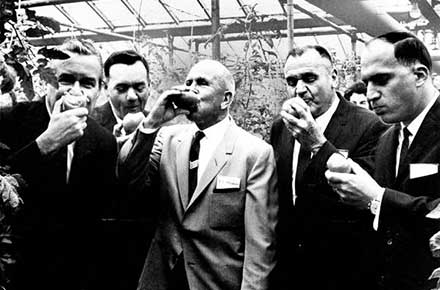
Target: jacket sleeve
261, 214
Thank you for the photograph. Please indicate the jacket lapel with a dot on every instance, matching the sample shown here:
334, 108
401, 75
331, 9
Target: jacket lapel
182, 161
337, 122
385, 170
427, 137
221, 155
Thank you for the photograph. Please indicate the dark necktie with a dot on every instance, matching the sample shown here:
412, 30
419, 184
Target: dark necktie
404, 149
303, 162
194, 163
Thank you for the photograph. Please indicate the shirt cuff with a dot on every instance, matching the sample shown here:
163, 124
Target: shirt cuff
146, 130
375, 206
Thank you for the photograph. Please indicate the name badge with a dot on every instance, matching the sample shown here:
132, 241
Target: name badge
227, 182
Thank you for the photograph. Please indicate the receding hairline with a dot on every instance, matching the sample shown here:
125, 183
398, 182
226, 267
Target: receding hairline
223, 72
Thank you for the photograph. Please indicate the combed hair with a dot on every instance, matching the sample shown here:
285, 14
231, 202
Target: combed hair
82, 47
298, 51
408, 49
355, 88
127, 57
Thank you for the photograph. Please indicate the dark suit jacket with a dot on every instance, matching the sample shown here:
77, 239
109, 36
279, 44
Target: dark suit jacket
406, 261
104, 116
60, 220
319, 229
130, 227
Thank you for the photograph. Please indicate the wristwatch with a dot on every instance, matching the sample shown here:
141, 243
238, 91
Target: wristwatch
373, 206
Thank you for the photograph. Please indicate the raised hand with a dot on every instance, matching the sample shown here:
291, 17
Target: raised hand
64, 128
300, 122
163, 110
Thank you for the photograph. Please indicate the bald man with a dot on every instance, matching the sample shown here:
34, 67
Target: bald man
218, 207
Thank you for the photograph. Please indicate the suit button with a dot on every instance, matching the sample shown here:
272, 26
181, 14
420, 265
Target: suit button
389, 242
300, 245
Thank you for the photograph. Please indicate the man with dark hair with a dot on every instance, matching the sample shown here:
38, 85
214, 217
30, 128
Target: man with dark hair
323, 243
127, 83
357, 94
397, 70
131, 227
68, 161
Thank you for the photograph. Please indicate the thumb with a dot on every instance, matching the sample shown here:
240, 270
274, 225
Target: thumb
356, 168
57, 106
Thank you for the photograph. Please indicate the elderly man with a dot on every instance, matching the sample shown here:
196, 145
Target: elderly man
218, 203
316, 229
130, 227
68, 161
127, 86
397, 70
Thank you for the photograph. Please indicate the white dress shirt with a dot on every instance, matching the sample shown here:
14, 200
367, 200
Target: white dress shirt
213, 136
322, 122
413, 128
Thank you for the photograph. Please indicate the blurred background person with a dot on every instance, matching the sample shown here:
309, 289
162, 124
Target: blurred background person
357, 94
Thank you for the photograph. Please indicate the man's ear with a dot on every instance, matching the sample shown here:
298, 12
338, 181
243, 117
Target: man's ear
335, 80
422, 73
227, 100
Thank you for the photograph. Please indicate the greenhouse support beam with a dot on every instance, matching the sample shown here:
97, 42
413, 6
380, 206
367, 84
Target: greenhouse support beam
290, 25
429, 13
323, 20
215, 15
37, 3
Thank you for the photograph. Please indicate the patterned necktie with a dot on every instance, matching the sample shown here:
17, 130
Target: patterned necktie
404, 149
194, 163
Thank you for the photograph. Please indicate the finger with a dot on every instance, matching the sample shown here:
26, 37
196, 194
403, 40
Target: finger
289, 118
57, 106
301, 108
357, 169
79, 112
288, 108
335, 177
180, 111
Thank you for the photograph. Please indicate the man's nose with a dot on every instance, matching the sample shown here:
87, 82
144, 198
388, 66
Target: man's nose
372, 92
131, 95
301, 88
76, 89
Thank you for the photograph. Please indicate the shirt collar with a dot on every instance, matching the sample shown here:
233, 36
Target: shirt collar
118, 120
415, 124
217, 130
324, 119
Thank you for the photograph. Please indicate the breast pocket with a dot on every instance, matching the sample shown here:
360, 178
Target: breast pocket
226, 209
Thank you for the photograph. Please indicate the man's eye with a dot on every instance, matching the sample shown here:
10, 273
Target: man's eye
121, 89
202, 82
292, 81
309, 78
65, 80
88, 84
140, 88
380, 80
188, 83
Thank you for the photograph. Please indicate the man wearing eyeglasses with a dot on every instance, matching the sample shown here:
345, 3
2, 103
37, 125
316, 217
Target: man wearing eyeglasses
316, 231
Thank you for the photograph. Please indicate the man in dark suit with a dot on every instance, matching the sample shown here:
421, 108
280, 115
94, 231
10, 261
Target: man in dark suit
316, 231
127, 84
68, 161
131, 227
216, 185
406, 185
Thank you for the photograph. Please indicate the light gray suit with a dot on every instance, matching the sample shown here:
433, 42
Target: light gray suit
226, 236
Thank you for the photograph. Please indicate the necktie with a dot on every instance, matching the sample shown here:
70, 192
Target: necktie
404, 149
303, 162
194, 162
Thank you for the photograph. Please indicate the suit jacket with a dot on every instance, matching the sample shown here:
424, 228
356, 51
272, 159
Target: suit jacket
104, 116
60, 220
319, 229
130, 228
406, 261
226, 236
